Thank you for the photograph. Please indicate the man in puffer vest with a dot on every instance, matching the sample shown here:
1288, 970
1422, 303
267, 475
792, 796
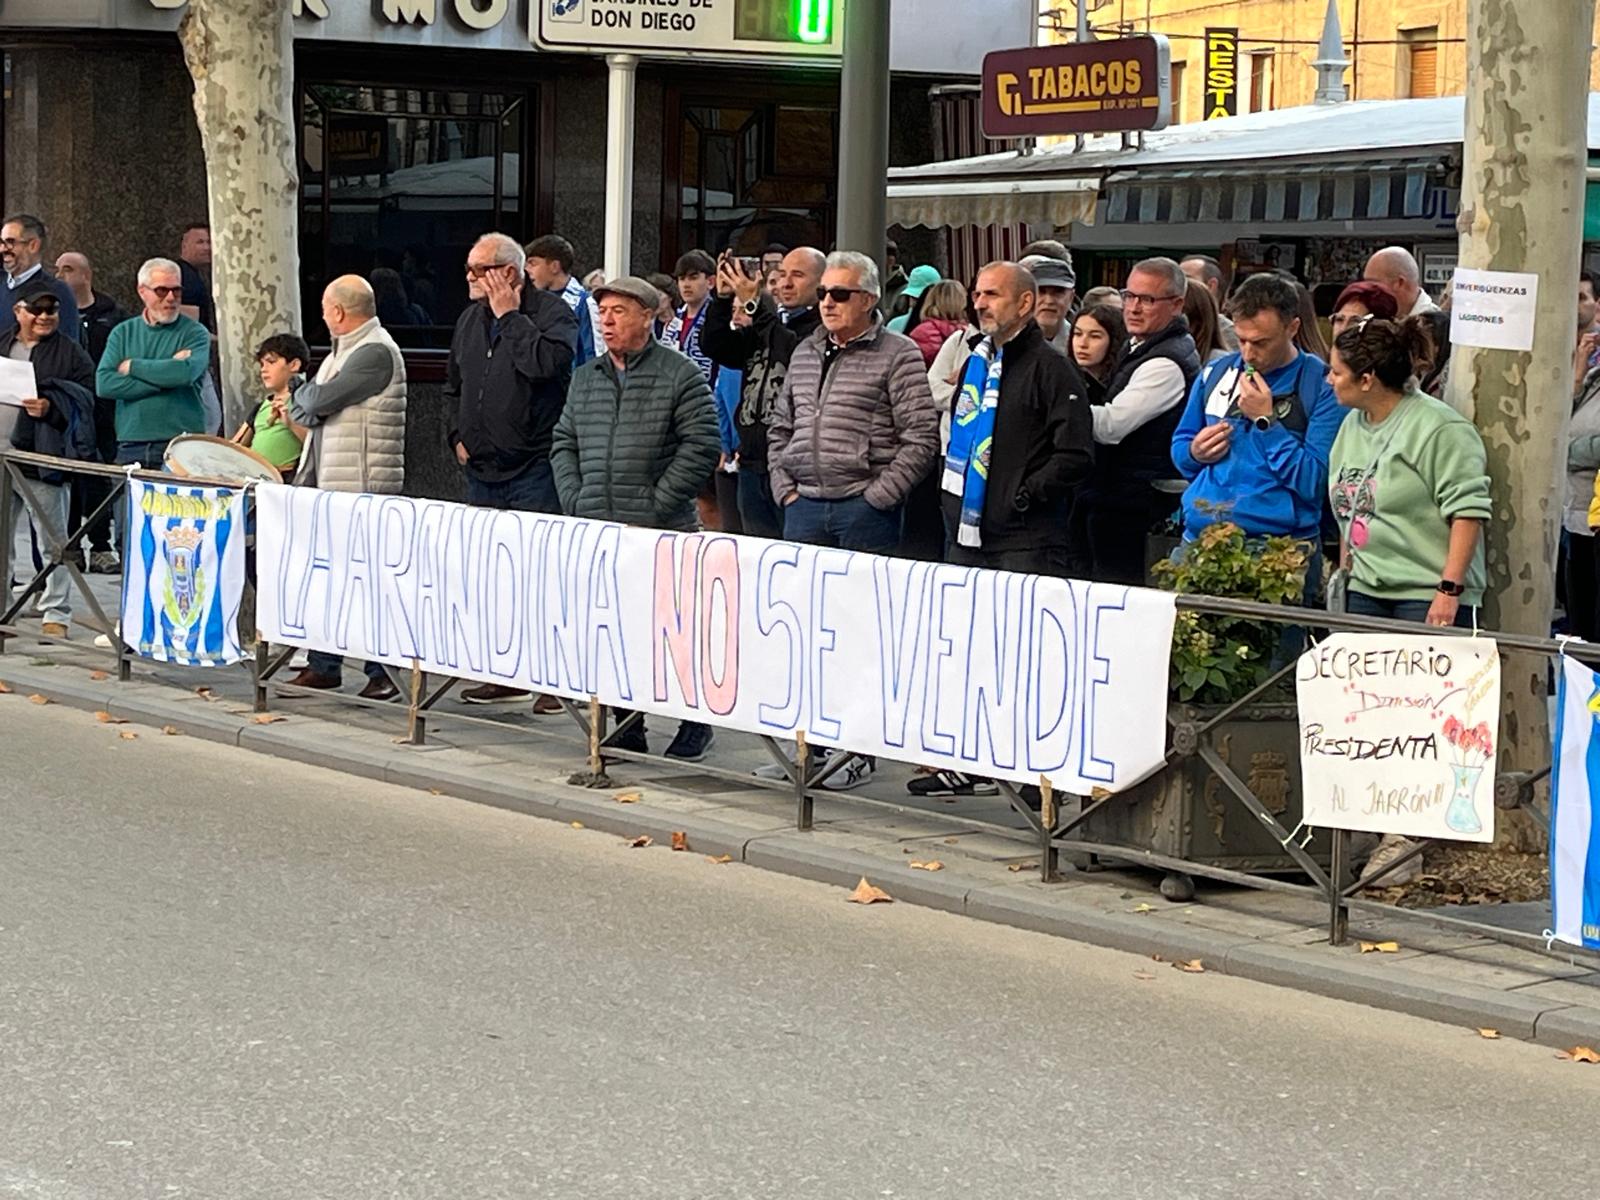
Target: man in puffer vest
355, 410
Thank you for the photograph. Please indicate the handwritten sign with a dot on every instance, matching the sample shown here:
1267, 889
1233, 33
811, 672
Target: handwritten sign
1398, 734
1493, 309
1009, 676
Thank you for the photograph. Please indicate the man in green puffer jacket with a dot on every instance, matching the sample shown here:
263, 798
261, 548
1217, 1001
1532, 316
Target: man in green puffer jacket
637, 438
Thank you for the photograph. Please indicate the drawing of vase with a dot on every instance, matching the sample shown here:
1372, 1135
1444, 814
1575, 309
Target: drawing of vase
1462, 815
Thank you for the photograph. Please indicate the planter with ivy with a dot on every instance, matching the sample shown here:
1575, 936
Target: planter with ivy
1186, 811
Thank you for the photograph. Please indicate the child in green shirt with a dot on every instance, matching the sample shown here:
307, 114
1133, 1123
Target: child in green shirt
272, 432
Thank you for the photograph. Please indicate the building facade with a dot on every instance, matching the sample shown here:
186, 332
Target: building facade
1397, 49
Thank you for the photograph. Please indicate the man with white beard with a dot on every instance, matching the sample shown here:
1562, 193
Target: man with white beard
153, 367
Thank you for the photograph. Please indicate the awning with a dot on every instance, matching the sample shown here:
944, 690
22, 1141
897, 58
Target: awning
994, 202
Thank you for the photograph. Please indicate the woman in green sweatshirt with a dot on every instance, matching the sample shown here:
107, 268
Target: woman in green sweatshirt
1409, 482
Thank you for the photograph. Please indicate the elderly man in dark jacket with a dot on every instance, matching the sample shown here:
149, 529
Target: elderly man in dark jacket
635, 442
58, 420
505, 385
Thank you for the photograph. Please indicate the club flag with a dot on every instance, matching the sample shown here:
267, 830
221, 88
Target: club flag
184, 550
1574, 795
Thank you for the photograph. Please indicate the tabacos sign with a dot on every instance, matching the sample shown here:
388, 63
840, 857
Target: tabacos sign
1081, 87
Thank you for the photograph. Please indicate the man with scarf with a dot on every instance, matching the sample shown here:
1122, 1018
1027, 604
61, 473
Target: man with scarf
1021, 436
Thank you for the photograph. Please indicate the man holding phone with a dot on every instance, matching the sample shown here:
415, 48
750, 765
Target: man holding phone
505, 386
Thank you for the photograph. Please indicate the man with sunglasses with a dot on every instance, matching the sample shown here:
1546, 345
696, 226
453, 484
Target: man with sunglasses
21, 255
59, 420
1120, 504
153, 367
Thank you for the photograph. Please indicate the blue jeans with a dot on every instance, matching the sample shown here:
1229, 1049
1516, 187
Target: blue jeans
850, 524
1363, 605
149, 455
333, 664
532, 491
758, 511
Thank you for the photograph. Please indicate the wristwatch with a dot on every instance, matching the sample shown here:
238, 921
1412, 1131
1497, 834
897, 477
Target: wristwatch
1450, 587
1262, 423
750, 307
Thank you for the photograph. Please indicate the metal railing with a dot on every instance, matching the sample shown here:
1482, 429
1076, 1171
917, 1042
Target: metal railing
1047, 824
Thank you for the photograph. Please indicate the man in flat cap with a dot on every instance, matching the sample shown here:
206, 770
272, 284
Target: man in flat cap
637, 438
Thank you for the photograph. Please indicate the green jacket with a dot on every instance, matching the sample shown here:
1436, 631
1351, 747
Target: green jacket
159, 397
1397, 486
637, 452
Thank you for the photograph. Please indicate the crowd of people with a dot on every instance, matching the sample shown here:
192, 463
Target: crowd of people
1003, 422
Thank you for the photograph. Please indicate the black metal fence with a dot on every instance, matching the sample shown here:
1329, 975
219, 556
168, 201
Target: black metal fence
1055, 823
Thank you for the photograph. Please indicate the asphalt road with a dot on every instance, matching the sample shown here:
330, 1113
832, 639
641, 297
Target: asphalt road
227, 977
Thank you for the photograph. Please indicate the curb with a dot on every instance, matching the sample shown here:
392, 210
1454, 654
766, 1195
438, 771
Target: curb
816, 856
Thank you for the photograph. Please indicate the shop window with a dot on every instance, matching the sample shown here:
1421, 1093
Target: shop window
396, 183
754, 174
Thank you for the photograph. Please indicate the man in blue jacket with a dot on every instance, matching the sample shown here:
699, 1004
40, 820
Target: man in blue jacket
21, 255
1255, 437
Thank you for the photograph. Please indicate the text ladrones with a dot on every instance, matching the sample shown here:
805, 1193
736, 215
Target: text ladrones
1011, 676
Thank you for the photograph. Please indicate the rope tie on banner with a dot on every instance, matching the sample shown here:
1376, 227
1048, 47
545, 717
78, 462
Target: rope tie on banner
1549, 936
1561, 643
1290, 836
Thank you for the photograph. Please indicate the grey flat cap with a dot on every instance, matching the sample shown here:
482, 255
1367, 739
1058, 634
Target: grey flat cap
1050, 272
633, 288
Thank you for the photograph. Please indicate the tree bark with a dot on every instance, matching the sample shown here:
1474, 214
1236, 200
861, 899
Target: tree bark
1522, 210
240, 54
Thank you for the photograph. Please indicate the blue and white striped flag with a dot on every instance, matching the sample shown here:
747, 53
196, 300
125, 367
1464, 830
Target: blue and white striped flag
1575, 808
184, 550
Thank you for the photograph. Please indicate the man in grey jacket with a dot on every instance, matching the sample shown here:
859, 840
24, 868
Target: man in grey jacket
855, 428
635, 441
852, 433
356, 412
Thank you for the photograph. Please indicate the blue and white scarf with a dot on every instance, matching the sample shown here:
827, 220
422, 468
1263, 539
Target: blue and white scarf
966, 466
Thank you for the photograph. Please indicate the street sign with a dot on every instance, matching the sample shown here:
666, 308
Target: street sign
1222, 73
1080, 87
767, 29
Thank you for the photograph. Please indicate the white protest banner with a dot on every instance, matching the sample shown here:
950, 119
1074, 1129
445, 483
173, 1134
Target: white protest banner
1012, 676
1493, 309
184, 550
1397, 734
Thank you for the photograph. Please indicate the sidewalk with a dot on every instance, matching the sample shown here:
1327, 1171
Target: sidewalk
990, 863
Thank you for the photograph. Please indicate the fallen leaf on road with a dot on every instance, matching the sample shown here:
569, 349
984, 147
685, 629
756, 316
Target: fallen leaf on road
935, 865
1014, 867
865, 893
106, 718
205, 693
97, 676
1143, 908
1157, 958
643, 840
1144, 975
1380, 947
1583, 1054
171, 730
680, 840
951, 841
127, 735
577, 824
1490, 1034
38, 699
719, 859
435, 791
1194, 966
267, 718
905, 850
629, 797
5, 688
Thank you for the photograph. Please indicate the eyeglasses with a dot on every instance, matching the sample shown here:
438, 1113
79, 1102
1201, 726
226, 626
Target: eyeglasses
164, 293
44, 307
1140, 299
839, 295
474, 272
13, 243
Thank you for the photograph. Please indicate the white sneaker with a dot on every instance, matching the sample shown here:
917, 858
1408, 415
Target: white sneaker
852, 775
1392, 847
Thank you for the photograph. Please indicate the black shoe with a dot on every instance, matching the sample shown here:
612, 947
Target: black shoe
952, 783
631, 739
691, 743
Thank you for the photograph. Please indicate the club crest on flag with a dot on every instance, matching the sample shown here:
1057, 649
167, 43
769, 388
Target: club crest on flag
185, 552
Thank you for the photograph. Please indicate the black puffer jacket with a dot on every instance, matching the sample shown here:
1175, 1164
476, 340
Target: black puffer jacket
638, 451
504, 387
